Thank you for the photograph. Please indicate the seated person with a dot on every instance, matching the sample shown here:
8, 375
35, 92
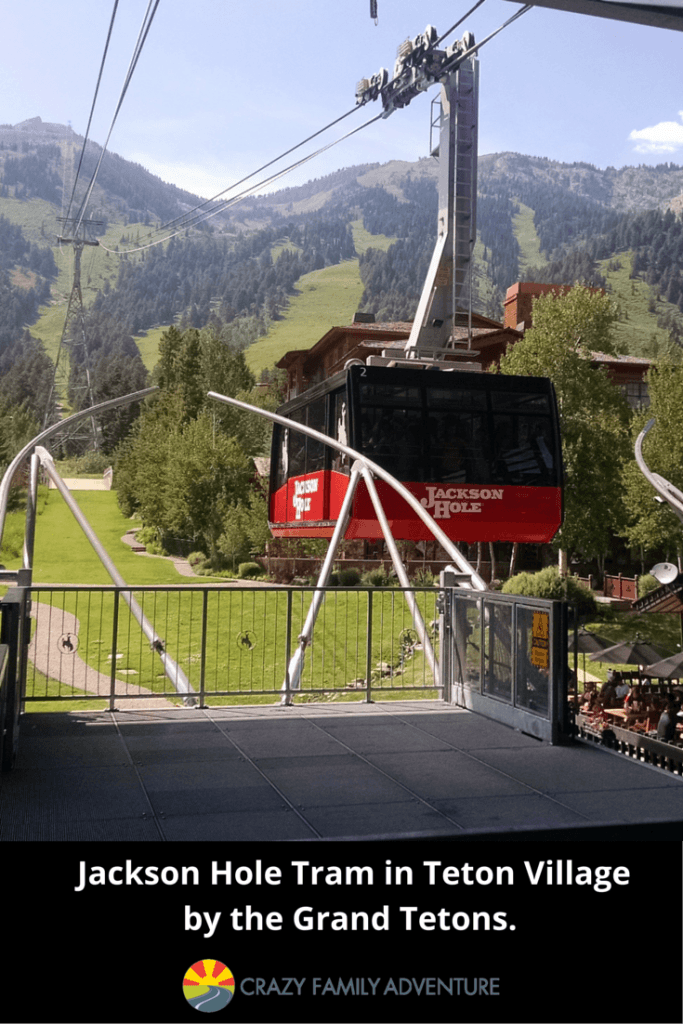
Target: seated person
608, 694
666, 727
622, 687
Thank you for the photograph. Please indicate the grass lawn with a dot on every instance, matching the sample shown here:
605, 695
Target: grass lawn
246, 629
63, 555
326, 298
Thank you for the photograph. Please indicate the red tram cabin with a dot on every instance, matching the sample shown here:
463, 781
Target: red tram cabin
481, 452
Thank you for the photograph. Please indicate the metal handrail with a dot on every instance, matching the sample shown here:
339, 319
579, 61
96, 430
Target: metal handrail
56, 428
463, 565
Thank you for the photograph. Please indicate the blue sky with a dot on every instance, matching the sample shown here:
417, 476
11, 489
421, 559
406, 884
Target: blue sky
223, 86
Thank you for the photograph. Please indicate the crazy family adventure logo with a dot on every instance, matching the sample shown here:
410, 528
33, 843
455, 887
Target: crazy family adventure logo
208, 986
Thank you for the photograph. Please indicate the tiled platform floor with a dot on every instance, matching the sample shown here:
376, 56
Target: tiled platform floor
397, 770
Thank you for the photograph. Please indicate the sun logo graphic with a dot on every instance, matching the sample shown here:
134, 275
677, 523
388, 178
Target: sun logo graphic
208, 985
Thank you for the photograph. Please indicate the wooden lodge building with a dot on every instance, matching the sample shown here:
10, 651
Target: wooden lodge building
490, 340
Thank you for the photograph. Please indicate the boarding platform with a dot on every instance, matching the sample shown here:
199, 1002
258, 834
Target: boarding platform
393, 770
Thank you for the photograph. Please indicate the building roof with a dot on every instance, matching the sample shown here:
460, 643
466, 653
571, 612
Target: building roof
666, 599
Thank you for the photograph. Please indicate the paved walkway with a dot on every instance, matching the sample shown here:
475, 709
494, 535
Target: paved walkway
185, 569
395, 770
52, 652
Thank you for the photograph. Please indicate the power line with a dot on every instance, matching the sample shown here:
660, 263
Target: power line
92, 109
185, 220
459, 22
75, 310
142, 36
243, 195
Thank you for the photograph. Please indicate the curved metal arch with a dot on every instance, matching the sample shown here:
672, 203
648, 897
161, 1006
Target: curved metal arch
56, 428
666, 490
459, 559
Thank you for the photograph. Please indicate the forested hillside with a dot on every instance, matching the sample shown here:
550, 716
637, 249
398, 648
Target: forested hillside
209, 275
239, 271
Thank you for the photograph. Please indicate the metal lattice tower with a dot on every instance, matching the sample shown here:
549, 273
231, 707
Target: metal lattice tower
73, 348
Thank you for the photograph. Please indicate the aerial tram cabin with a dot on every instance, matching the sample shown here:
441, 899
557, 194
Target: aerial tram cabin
480, 451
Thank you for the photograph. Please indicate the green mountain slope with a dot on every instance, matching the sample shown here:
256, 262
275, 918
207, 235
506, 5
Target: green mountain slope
283, 264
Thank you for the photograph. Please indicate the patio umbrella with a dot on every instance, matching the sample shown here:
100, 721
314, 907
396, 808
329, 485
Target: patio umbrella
669, 668
586, 643
633, 652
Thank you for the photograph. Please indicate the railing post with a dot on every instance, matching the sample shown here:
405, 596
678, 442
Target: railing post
288, 648
114, 642
202, 668
368, 653
13, 633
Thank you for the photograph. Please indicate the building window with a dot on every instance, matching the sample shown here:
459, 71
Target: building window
636, 394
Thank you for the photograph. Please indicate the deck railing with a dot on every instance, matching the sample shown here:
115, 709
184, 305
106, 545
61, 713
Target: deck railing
232, 644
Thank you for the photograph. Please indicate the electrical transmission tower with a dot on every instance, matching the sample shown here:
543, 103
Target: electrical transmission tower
71, 381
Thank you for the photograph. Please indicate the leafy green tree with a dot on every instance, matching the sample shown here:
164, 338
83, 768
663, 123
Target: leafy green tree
187, 466
652, 525
594, 416
233, 542
207, 472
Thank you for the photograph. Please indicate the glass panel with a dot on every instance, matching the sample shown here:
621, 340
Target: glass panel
524, 451
297, 445
498, 651
340, 427
455, 399
390, 395
393, 439
519, 401
457, 447
532, 681
467, 653
281, 454
315, 450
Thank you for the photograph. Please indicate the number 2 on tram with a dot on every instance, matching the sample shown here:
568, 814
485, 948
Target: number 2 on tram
480, 451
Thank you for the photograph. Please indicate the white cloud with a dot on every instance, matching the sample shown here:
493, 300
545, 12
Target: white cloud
665, 137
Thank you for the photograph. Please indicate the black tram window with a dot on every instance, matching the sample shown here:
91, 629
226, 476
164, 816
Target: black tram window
524, 452
458, 446
392, 428
297, 445
315, 450
280, 455
456, 399
520, 402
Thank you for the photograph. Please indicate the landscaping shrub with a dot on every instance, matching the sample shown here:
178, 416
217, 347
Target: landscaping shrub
550, 585
423, 578
646, 584
348, 577
249, 570
377, 578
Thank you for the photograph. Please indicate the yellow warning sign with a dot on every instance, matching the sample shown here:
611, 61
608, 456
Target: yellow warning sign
540, 640
541, 626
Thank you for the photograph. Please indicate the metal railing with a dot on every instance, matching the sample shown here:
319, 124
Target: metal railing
233, 645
